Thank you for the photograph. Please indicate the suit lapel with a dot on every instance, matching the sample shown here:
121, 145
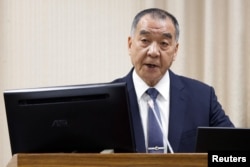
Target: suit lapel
177, 111
136, 118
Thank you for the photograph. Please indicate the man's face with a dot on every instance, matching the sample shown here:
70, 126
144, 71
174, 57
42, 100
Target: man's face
152, 48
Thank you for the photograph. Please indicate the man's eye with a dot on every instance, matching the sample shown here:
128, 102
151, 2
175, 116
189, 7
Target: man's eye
145, 40
164, 44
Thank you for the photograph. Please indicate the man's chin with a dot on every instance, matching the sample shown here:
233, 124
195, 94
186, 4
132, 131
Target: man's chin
152, 80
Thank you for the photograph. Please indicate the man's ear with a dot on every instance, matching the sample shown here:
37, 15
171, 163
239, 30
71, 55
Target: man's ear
176, 51
129, 44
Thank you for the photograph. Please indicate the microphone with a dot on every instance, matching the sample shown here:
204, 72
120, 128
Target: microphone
165, 138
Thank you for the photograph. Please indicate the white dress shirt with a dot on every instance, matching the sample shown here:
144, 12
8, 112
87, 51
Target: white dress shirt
162, 100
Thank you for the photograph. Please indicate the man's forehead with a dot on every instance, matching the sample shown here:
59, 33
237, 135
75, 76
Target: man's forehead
150, 24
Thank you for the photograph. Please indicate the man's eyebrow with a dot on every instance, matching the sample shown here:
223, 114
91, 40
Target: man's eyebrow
144, 32
167, 35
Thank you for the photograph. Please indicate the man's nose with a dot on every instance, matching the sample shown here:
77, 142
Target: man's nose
154, 49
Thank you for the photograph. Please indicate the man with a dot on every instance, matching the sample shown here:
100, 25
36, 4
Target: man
183, 103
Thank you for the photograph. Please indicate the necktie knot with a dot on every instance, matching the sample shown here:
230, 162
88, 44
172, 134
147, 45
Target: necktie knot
153, 93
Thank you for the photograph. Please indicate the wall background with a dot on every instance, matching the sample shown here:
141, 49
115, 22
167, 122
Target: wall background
63, 42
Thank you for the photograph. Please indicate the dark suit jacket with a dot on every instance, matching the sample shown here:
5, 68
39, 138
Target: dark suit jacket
192, 104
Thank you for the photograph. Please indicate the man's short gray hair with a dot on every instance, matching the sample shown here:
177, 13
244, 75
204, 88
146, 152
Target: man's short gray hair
158, 14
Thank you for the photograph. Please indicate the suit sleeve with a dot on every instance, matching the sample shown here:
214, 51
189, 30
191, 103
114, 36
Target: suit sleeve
217, 116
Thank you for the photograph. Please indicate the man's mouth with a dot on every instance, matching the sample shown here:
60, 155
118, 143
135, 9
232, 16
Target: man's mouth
151, 65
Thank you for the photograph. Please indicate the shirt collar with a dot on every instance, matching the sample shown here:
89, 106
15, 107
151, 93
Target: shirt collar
162, 86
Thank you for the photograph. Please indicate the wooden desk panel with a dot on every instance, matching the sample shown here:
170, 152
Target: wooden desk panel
108, 160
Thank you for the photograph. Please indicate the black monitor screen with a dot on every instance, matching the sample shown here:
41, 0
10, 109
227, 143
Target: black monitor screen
222, 139
80, 118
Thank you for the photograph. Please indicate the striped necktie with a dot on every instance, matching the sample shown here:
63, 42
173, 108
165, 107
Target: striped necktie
155, 135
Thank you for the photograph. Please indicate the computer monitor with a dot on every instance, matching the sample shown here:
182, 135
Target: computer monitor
222, 139
64, 119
